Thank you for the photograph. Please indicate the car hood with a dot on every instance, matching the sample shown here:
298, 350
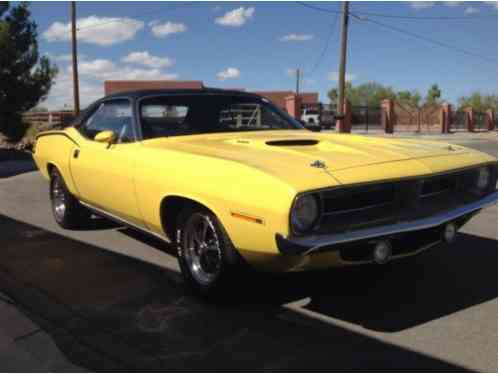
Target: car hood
290, 154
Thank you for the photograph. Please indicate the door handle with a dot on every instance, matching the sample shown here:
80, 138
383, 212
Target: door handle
76, 153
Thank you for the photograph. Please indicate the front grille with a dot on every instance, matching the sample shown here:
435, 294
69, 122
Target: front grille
385, 203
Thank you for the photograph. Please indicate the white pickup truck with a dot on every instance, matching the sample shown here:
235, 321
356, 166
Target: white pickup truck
311, 116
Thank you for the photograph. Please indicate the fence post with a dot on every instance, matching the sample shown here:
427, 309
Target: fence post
490, 119
446, 118
470, 119
387, 118
367, 116
344, 125
293, 106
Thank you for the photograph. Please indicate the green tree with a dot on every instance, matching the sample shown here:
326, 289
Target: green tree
433, 95
411, 98
370, 93
333, 94
480, 102
25, 77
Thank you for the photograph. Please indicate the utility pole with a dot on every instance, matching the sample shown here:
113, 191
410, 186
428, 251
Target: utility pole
76, 86
298, 78
342, 62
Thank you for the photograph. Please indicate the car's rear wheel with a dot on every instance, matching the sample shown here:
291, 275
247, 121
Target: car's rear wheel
67, 210
209, 262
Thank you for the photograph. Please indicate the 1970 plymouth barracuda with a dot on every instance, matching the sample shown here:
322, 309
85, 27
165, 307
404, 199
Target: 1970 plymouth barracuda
231, 179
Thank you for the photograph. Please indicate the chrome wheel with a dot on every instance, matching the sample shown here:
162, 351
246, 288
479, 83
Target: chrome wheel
202, 249
58, 199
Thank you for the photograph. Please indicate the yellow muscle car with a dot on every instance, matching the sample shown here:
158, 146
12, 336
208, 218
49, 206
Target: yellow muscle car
233, 180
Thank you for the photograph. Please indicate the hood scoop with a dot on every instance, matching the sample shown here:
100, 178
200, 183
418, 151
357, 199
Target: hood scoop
292, 142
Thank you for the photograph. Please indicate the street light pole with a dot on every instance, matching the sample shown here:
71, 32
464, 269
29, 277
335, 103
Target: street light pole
342, 62
76, 88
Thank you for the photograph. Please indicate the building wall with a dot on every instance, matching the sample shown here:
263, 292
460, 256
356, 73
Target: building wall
112, 87
276, 97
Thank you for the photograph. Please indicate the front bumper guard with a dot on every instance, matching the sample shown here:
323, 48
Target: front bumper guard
308, 244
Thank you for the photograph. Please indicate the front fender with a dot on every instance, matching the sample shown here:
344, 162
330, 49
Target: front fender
224, 187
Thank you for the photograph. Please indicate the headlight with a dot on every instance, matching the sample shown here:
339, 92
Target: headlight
304, 213
483, 178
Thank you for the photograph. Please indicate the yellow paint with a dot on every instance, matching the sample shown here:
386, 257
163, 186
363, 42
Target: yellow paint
238, 172
105, 137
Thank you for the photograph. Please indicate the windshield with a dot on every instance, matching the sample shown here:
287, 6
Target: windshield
174, 115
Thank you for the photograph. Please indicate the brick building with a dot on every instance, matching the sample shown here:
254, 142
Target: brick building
279, 98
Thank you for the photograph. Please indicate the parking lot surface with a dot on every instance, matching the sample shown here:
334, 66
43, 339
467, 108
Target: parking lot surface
73, 302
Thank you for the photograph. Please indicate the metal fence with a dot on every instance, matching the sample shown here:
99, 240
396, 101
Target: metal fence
47, 119
365, 118
459, 121
480, 121
417, 119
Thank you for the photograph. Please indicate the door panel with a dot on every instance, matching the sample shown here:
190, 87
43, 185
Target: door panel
104, 177
104, 173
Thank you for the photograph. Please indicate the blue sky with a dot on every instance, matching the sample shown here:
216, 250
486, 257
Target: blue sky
255, 45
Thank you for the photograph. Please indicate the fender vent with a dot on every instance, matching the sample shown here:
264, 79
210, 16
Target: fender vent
292, 143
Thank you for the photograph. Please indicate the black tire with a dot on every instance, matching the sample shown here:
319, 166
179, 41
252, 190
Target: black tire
71, 214
231, 268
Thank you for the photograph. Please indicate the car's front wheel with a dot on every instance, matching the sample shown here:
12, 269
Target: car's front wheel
67, 210
207, 258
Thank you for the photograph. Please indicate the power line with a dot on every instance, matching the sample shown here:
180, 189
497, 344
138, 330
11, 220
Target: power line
333, 25
407, 17
320, 9
427, 39
359, 16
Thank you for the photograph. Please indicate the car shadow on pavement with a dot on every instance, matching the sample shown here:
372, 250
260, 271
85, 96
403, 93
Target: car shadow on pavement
13, 162
109, 312
414, 291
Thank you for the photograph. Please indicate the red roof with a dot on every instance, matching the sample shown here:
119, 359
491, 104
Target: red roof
122, 86
278, 97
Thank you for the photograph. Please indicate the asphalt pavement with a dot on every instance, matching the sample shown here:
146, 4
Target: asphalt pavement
71, 301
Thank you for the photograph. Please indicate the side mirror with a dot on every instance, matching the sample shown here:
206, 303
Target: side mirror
105, 137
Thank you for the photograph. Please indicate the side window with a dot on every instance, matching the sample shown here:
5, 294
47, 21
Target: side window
251, 116
160, 119
112, 116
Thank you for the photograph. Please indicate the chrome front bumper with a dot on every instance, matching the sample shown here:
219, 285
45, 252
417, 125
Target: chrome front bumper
309, 244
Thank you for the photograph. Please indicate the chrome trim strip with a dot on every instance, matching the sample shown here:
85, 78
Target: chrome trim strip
315, 242
121, 221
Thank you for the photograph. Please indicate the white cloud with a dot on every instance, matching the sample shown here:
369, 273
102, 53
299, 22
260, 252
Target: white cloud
162, 30
92, 73
146, 59
236, 17
61, 58
453, 3
291, 72
102, 69
296, 37
102, 31
471, 10
417, 5
61, 93
228, 73
494, 4
334, 76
